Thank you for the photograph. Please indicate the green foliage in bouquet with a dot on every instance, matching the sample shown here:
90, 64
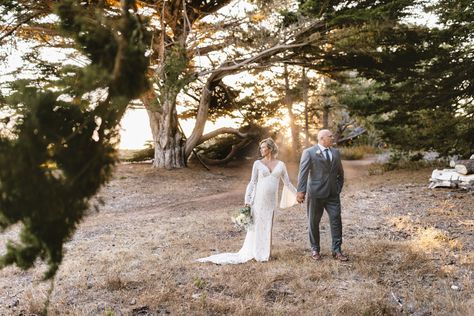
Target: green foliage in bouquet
243, 219
57, 148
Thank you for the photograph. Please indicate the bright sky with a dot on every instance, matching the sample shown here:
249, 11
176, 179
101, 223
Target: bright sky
135, 128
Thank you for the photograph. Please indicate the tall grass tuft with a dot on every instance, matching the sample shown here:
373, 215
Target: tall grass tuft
357, 152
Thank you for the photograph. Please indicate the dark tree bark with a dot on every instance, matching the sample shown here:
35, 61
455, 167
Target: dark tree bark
295, 139
305, 100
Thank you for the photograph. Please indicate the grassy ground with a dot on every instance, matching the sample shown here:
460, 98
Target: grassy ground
411, 251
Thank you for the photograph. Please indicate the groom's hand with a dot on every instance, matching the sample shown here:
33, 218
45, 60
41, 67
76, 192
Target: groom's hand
300, 197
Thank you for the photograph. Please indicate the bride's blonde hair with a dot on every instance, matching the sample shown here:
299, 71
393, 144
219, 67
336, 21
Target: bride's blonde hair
270, 144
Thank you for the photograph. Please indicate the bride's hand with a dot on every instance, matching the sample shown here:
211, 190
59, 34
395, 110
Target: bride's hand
300, 197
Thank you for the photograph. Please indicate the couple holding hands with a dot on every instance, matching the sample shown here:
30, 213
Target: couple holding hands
320, 181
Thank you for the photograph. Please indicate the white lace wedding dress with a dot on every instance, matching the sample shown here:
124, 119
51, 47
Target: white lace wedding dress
262, 196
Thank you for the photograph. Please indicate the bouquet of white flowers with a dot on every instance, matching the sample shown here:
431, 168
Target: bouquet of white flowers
243, 219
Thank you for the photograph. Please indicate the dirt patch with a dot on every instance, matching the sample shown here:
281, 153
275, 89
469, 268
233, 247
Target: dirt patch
411, 251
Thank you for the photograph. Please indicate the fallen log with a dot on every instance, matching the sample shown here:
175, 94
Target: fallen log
444, 178
465, 166
466, 182
450, 178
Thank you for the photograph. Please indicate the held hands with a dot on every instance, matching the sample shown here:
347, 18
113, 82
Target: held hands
300, 197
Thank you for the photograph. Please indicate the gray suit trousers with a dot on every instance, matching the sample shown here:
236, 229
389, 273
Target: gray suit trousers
332, 205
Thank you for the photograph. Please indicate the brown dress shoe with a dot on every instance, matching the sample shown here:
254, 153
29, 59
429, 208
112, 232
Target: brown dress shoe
315, 255
339, 256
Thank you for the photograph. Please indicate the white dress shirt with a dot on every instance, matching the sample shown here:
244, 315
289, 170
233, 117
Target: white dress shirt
322, 148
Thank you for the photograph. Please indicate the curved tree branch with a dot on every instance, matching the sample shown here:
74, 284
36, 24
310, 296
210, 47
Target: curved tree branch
236, 66
212, 6
18, 25
216, 75
235, 148
220, 131
233, 67
199, 51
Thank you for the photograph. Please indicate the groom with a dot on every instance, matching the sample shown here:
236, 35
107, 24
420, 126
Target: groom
322, 165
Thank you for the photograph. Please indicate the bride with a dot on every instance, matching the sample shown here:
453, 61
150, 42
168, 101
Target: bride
261, 195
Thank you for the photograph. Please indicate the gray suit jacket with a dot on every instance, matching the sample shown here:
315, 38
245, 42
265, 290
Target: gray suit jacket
318, 176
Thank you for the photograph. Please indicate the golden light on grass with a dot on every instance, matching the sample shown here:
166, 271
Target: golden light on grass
429, 239
404, 222
445, 207
447, 270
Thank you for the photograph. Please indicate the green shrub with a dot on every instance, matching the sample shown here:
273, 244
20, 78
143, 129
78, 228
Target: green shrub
403, 160
142, 155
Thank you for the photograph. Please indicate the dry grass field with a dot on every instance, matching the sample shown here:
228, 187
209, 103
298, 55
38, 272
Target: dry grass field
411, 251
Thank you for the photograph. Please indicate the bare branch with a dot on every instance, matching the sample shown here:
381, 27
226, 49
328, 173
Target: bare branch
207, 49
187, 24
213, 6
229, 67
195, 98
351, 136
14, 28
224, 25
230, 155
220, 131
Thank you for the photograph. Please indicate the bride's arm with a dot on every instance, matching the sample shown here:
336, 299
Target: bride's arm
286, 179
250, 191
288, 195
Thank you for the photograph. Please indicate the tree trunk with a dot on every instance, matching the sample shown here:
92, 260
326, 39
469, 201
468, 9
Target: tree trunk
444, 178
326, 109
201, 117
168, 140
294, 129
326, 103
305, 99
465, 166
172, 74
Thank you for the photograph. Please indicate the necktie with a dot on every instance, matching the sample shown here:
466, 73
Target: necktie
326, 153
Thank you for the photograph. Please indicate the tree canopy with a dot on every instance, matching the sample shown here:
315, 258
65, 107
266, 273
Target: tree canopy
59, 146
424, 99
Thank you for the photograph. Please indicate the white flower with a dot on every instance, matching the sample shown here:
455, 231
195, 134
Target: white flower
243, 219
318, 152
